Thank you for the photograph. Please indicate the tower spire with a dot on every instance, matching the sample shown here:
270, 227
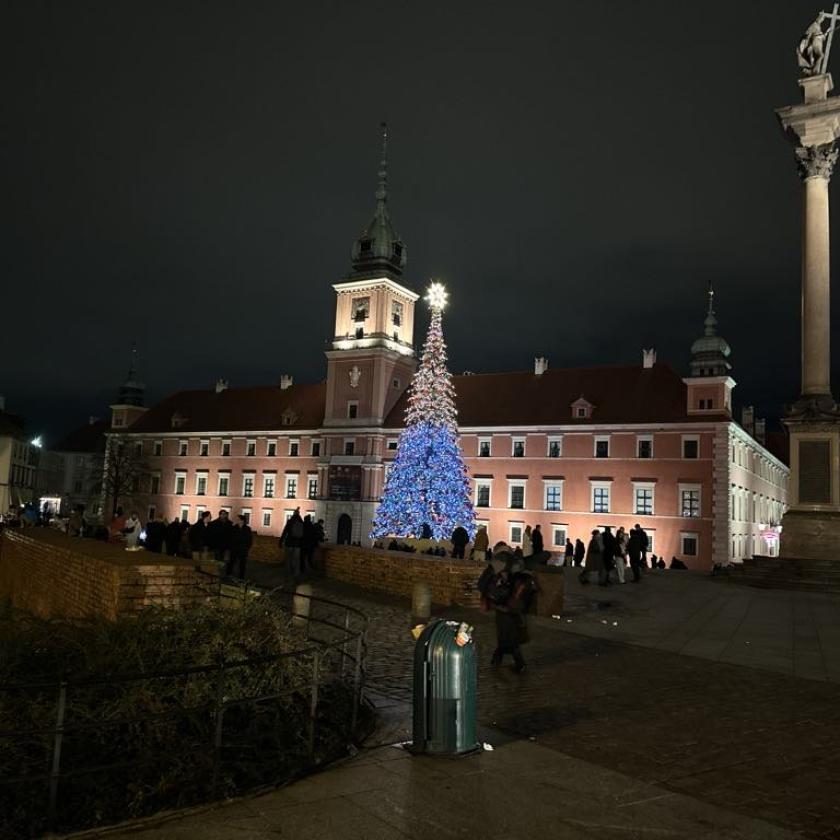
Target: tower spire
382, 186
711, 320
132, 390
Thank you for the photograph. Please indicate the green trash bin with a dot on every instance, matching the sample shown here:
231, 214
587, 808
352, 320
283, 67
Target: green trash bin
445, 696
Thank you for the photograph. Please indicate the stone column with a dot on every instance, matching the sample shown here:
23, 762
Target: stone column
815, 167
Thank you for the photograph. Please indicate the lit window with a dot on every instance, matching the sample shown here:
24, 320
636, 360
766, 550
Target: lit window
559, 533
291, 487
516, 533
248, 486
312, 489
643, 501
224, 485
180, 484
266, 518
690, 502
600, 499
201, 484
554, 497
482, 495
268, 486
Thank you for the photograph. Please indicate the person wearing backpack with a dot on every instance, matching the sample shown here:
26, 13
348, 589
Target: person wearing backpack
507, 588
291, 540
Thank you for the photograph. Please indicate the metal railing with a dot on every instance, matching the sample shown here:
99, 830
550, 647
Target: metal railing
217, 729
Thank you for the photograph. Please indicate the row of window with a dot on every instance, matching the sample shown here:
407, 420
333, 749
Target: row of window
743, 455
21, 476
266, 514
601, 447
348, 448
559, 533
643, 497
755, 507
249, 483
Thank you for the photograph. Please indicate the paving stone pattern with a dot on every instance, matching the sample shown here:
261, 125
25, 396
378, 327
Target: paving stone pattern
761, 743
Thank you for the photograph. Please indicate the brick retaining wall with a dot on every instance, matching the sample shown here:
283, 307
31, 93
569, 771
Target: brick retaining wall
396, 572
51, 574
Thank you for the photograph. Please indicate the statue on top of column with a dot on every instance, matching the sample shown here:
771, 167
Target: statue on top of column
812, 52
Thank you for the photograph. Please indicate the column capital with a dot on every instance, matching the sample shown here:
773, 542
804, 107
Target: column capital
816, 161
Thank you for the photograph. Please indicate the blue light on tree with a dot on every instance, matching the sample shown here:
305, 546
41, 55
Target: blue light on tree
428, 484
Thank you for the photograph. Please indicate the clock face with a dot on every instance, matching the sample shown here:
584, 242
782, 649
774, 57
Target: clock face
360, 308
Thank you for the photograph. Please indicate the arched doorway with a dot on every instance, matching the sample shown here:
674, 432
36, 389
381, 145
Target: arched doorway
345, 530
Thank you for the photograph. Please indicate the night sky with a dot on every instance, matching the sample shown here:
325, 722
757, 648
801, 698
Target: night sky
191, 176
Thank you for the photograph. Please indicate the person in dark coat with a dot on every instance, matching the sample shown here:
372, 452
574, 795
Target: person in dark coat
459, 540
537, 541
511, 626
155, 534
173, 537
241, 538
310, 542
570, 554
198, 537
218, 536
580, 553
645, 541
607, 557
291, 540
634, 552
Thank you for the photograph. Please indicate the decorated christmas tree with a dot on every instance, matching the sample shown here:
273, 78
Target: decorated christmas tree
428, 489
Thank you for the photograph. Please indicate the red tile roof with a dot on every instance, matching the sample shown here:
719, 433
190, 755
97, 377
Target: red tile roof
620, 394
88, 438
237, 409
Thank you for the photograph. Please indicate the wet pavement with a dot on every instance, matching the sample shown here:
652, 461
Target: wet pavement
609, 733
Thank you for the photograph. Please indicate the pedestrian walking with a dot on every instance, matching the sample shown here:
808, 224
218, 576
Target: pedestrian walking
218, 537
645, 543
291, 540
173, 537
634, 550
580, 553
569, 559
241, 539
593, 563
620, 555
537, 542
607, 556
481, 544
198, 537
527, 542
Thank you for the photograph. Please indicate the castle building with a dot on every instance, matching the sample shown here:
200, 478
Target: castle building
569, 449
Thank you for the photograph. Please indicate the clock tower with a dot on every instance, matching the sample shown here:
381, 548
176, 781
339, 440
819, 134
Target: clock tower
369, 364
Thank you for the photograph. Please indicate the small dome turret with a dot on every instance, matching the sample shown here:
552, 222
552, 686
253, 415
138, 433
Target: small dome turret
710, 353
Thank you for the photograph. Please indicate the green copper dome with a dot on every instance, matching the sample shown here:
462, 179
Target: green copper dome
380, 248
710, 353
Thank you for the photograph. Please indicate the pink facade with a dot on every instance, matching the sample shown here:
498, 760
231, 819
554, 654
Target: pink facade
570, 449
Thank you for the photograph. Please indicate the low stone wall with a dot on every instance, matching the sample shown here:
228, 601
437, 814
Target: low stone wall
51, 574
396, 572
